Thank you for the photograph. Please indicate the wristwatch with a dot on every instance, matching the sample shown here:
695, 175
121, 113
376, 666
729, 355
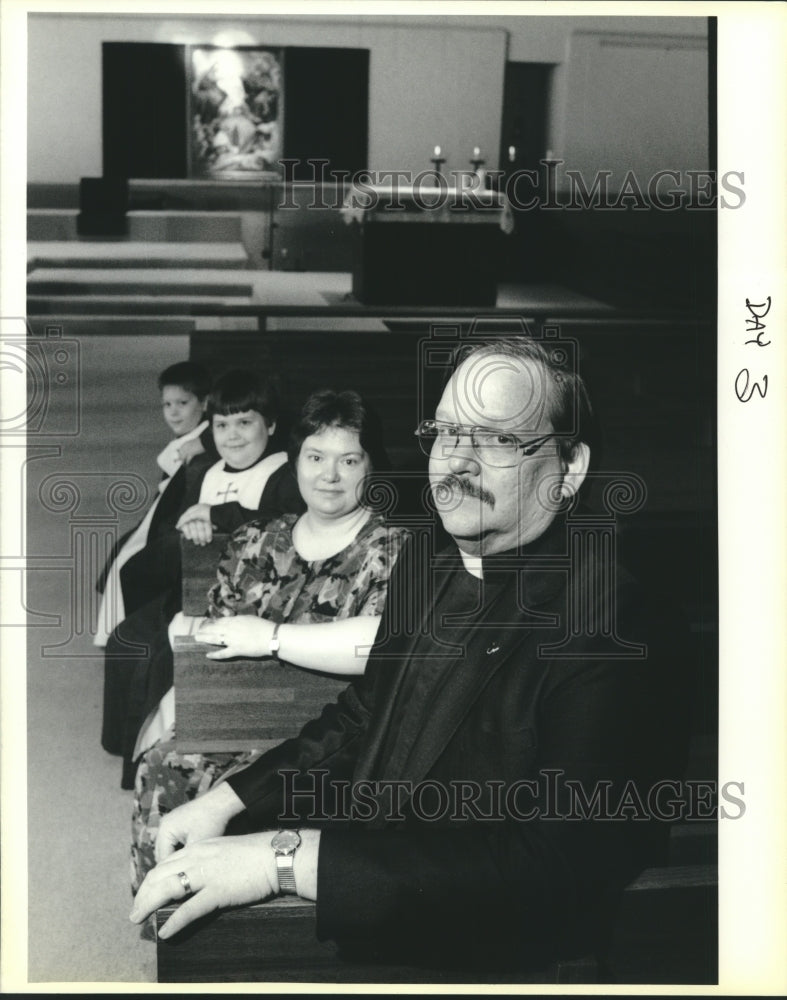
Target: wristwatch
285, 843
275, 642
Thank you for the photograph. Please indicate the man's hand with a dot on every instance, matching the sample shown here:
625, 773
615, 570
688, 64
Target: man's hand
228, 871
242, 635
195, 524
200, 819
190, 449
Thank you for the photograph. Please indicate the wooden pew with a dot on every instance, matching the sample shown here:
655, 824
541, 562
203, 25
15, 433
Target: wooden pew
228, 706
665, 929
665, 932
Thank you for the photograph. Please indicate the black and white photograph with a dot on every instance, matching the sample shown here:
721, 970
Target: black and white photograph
392, 451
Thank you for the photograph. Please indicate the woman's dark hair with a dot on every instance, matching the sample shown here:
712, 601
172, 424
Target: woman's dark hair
347, 409
186, 375
239, 391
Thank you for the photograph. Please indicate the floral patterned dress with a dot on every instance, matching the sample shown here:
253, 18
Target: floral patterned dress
261, 573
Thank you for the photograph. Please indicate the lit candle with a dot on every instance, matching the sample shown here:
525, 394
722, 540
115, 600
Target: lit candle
511, 153
476, 152
437, 151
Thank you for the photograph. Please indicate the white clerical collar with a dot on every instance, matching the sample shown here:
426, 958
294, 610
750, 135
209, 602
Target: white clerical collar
473, 564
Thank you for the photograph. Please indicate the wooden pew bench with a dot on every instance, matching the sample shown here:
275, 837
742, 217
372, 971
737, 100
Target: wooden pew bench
228, 706
665, 930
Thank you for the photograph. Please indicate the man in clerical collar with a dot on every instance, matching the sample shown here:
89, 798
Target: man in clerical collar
502, 445
475, 810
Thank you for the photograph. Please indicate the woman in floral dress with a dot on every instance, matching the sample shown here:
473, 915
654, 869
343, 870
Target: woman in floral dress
315, 583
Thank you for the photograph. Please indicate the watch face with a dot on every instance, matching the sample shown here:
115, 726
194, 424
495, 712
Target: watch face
286, 841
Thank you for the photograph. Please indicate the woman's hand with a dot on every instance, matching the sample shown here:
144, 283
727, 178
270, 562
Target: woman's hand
242, 635
222, 872
189, 449
195, 524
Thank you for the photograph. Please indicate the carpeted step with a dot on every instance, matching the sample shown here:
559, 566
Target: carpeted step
135, 254
48, 224
129, 305
137, 281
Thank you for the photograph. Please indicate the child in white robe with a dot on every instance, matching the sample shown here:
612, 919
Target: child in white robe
184, 391
251, 480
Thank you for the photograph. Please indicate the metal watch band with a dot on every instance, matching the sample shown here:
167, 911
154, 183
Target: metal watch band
285, 843
284, 866
275, 643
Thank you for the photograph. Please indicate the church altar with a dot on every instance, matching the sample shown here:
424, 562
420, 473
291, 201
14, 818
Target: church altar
426, 245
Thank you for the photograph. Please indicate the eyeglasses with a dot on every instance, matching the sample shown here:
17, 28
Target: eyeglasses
496, 448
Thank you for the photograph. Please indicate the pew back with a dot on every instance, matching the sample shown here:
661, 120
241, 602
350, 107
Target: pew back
225, 706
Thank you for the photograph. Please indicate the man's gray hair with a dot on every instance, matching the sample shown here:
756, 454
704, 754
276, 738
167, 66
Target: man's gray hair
567, 402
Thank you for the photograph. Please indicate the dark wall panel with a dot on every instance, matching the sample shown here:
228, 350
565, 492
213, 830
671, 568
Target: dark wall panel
144, 110
326, 98
326, 95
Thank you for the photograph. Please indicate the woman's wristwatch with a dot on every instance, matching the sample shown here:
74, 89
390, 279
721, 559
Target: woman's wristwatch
275, 642
285, 843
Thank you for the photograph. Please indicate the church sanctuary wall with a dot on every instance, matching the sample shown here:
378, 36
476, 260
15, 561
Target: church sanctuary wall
628, 93
432, 81
428, 85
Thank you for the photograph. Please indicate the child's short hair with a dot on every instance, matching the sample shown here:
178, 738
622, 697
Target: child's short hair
186, 375
239, 391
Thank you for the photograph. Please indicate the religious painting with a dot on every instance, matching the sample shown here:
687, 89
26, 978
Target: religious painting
235, 111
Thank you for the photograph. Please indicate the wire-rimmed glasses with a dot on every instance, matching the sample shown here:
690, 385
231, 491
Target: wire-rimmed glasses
492, 447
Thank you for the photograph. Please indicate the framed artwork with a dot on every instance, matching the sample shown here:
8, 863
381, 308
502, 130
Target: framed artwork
235, 111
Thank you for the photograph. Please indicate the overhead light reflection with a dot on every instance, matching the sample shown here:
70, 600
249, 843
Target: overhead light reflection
231, 37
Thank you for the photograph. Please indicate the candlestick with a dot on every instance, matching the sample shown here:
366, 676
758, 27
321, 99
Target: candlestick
438, 160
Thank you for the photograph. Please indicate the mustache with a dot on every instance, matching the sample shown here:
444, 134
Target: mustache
456, 484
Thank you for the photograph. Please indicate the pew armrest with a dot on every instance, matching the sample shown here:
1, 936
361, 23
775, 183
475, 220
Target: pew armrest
269, 942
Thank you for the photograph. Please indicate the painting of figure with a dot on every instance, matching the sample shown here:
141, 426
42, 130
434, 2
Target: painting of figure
235, 111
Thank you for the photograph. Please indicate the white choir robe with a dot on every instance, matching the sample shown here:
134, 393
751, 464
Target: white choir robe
112, 610
222, 485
